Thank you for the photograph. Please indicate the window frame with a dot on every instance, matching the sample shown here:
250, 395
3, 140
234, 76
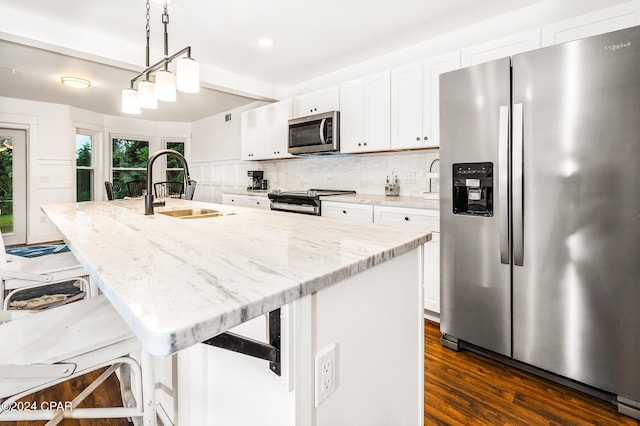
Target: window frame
93, 167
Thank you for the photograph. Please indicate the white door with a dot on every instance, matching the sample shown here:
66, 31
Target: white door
13, 186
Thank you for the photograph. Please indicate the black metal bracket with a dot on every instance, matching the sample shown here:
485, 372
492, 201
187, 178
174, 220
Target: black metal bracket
247, 346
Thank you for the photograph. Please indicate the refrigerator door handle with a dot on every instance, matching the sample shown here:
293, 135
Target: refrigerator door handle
503, 182
518, 200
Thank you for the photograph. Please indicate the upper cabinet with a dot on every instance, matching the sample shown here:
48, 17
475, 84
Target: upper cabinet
500, 48
317, 102
610, 19
415, 101
265, 132
365, 114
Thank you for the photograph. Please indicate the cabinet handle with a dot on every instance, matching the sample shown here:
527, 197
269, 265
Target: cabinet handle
359, 144
258, 202
406, 218
426, 138
418, 138
344, 212
365, 144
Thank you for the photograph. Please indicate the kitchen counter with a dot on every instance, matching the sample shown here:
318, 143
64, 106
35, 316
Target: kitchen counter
258, 192
177, 282
383, 200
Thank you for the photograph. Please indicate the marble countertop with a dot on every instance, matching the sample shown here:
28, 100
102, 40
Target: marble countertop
383, 200
177, 282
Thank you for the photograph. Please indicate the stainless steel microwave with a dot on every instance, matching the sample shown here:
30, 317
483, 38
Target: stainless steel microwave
315, 134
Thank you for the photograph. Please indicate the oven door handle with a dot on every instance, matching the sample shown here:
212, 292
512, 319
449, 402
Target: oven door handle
323, 138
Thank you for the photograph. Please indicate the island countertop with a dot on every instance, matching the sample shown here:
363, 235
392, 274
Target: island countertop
177, 282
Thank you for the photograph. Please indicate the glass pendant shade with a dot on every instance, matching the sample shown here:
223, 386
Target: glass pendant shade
165, 86
188, 75
130, 103
147, 95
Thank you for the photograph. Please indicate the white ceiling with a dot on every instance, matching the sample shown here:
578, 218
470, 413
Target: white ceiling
104, 42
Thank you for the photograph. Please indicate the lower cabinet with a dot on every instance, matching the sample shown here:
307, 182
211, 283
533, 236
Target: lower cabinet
255, 201
401, 217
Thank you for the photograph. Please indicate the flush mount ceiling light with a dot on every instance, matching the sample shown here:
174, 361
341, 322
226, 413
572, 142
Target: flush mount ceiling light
76, 82
265, 42
157, 83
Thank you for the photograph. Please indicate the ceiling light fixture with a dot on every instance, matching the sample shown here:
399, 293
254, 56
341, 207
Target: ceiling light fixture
265, 42
76, 82
164, 83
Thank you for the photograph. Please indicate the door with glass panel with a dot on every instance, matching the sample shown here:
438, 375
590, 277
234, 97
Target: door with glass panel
13, 186
129, 166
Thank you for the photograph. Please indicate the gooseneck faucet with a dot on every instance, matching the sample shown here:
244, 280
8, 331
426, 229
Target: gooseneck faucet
148, 199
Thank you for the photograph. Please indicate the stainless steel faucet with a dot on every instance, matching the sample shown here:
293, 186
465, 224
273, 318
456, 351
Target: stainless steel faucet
148, 199
437, 160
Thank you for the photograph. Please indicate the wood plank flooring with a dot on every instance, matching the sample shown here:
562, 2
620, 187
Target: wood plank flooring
461, 388
464, 388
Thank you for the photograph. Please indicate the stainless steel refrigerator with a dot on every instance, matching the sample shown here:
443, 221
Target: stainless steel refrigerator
540, 211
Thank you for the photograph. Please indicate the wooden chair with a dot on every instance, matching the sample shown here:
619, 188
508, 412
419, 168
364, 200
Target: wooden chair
168, 189
108, 186
56, 345
19, 274
137, 188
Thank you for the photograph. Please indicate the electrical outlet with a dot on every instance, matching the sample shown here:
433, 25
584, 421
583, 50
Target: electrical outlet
325, 373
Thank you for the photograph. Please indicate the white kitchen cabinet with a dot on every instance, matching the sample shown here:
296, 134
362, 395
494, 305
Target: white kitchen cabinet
265, 132
406, 106
252, 128
432, 273
362, 213
415, 101
431, 70
317, 102
500, 48
254, 201
602, 21
365, 114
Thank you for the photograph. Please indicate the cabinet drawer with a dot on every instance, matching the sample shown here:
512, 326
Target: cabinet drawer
259, 203
362, 213
420, 219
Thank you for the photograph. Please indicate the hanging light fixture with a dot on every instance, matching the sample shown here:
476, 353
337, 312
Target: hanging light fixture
149, 92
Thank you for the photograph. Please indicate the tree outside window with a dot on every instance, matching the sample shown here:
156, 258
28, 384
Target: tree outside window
129, 163
84, 167
175, 172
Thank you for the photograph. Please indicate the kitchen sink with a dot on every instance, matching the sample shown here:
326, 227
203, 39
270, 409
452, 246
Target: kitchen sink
194, 213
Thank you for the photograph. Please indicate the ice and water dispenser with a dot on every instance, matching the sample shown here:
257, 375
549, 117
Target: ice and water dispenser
473, 189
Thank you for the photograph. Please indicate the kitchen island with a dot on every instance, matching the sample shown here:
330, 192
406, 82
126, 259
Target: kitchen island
178, 282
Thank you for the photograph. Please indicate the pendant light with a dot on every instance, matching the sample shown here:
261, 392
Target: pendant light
160, 83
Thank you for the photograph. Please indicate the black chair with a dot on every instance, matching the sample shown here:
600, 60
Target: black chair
137, 188
109, 188
168, 189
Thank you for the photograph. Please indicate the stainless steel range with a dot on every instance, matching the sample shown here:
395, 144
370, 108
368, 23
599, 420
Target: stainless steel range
306, 202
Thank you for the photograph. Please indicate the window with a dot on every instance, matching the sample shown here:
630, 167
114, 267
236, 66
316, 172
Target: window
129, 161
84, 167
174, 172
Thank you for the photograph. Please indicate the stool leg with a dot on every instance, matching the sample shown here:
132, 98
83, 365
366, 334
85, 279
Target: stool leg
148, 388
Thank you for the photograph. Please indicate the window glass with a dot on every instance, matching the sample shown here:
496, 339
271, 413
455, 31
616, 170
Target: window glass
174, 172
129, 161
84, 167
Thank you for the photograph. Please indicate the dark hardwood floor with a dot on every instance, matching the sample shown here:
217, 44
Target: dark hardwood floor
464, 388
461, 388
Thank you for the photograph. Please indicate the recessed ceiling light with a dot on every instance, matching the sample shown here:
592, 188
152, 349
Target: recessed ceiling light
76, 82
265, 42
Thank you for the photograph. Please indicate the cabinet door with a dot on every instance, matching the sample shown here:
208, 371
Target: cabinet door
377, 112
362, 213
317, 102
501, 48
352, 116
432, 273
406, 106
258, 202
432, 68
411, 218
248, 136
278, 115
602, 21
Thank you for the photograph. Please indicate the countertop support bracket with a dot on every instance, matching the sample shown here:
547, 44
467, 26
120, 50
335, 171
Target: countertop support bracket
247, 346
